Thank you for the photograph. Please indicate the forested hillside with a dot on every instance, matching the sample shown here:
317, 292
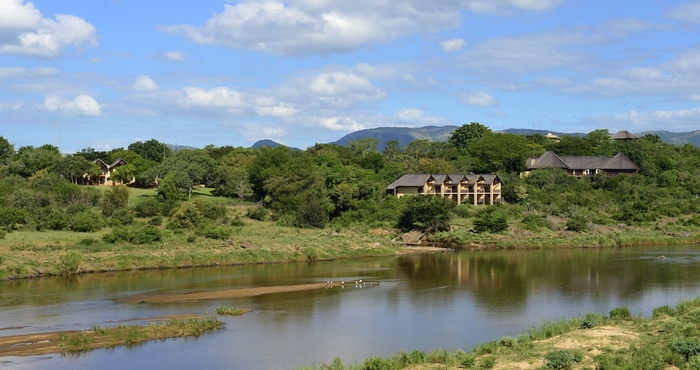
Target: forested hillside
345, 185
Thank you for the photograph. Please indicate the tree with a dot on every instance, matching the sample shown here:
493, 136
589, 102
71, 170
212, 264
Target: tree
426, 213
72, 167
490, 221
151, 150
116, 197
7, 150
500, 152
466, 135
188, 169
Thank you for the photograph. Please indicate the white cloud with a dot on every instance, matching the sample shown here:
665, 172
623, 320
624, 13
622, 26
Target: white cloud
343, 90
339, 123
255, 131
82, 105
175, 56
18, 73
450, 46
303, 27
23, 31
219, 97
416, 117
694, 97
96, 60
145, 84
671, 120
16, 105
268, 106
686, 12
480, 98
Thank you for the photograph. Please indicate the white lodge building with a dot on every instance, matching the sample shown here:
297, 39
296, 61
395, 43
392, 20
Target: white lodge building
462, 189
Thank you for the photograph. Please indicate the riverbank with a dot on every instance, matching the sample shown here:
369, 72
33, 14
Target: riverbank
25, 254
106, 337
667, 340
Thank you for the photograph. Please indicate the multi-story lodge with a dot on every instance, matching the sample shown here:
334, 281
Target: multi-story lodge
462, 189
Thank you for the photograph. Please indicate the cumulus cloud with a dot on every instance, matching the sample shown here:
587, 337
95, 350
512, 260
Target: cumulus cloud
269, 106
686, 12
672, 120
24, 31
450, 46
82, 105
219, 97
304, 27
16, 105
416, 117
18, 73
175, 56
480, 98
145, 84
343, 89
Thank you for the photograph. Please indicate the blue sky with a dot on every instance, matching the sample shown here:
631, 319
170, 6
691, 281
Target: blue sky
310, 71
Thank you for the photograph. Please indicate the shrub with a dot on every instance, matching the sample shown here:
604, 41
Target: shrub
217, 232
577, 224
156, 220
621, 313
86, 221
490, 221
229, 311
590, 321
426, 213
237, 221
148, 207
663, 310
535, 222
686, 349
116, 197
51, 218
137, 234
186, 216
311, 214
2, 234
122, 216
561, 359
376, 363
211, 210
69, 263
257, 213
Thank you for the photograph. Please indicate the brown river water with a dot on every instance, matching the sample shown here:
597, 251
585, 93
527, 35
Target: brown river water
450, 301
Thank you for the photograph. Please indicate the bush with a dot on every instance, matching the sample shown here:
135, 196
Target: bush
86, 221
212, 211
590, 321
311, 214
426, 213
137, 234
116, 197
561, 359
535, 222
663, 310
490, 221
257, 213
52, 218
621, 313
229, 311
122, 216
156, 220
577, 224
217, 232
69, 263
148, 207
186, 216
687, 349
237, 221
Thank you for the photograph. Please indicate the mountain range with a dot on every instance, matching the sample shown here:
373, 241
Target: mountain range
405, 135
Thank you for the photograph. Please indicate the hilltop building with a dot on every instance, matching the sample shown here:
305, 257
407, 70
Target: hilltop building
584, 165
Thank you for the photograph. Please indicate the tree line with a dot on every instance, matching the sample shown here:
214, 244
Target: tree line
345, 185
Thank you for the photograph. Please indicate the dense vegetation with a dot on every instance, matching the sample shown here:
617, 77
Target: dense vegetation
344, 185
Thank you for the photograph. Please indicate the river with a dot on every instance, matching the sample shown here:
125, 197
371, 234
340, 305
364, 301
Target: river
450, 300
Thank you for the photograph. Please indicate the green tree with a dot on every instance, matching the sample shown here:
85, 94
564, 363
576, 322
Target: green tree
466, 135
500, 152
151, 150
490, 221
188, 168
7, 150
73, 167
426, 213
115, 198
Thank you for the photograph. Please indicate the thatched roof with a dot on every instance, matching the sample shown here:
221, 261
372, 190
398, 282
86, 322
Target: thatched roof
624, 135
549, 159
409, 180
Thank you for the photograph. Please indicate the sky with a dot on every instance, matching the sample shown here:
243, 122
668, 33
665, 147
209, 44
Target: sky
105, 73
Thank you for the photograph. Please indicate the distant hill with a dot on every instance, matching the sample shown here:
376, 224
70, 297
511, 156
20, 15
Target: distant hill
404, 135
525, 131
676, 138
270, 143
175, 147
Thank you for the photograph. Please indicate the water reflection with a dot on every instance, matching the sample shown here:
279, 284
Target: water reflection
423, 302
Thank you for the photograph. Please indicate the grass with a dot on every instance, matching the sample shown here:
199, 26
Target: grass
129, 335
230, 311
615, 341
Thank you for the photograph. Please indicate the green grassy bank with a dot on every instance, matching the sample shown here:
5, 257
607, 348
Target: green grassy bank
667, 340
